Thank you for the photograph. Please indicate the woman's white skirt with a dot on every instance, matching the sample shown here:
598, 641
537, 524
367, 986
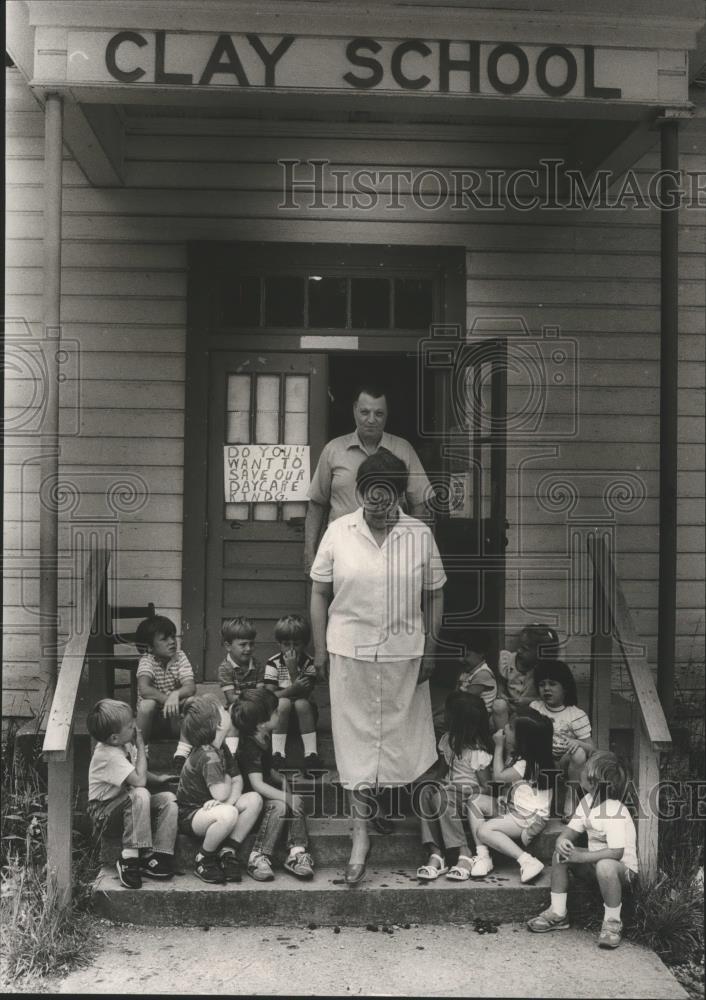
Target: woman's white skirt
381, 719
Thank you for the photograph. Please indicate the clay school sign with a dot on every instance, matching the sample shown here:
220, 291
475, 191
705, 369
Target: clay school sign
311, 64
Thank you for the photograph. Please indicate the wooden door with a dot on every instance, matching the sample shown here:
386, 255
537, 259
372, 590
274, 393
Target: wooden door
254, 557
471, 532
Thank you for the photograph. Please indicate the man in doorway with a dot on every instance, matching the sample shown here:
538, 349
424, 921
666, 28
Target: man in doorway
332, 492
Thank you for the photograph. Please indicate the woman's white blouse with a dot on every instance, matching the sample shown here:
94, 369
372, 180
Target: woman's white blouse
376, 612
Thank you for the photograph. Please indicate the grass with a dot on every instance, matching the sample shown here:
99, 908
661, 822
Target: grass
38, 938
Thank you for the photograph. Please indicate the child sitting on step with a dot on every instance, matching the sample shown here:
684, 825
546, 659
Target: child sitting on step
478, 678
465, 748
165, 682
212, 805
255, 715
572, 743
611, 856
291, 675
511, 822
516, 688
119, 802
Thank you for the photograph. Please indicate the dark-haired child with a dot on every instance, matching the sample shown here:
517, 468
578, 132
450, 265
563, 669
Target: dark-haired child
239, 671
572, 741
516, 687
212, 805
517, 817
611, 855
118, 796
466, 749
165, 681
255, 715
291, 675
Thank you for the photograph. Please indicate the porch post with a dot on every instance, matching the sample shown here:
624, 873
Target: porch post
669, 329
48, 506
60, 798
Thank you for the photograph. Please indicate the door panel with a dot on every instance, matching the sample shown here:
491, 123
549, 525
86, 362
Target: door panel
254, 560
471, 532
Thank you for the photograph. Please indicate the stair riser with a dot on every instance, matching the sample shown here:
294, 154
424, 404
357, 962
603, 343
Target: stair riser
352, 907
403, 851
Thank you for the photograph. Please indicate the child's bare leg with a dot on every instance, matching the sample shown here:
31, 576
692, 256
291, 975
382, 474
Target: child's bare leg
479, 807
610, 875
279, 733
249, 808
559, 875
145, 714
215, 824
307, 725
500, 714
501, 834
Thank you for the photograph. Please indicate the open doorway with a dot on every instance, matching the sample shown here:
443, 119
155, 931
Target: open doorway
397, 373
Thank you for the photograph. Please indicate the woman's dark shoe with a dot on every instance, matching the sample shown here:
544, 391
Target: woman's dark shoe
355, 873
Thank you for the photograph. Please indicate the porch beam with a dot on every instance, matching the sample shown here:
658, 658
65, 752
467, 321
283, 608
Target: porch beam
668, 408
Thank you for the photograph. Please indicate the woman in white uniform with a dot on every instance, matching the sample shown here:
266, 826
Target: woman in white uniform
376, 609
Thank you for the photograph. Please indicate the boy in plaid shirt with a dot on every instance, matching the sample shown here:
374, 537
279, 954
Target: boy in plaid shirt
165, 681
291, 675
239, 671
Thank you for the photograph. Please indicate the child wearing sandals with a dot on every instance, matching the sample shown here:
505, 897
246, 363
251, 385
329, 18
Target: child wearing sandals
572, 741
509, 823
611, 855
465, 749
255, 716
212, 805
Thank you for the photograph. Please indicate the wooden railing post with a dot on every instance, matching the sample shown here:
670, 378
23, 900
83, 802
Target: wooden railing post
58, 740
601, 653
646, 776
60, 802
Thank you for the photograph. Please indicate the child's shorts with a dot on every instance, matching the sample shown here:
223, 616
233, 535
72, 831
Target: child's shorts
532, 825
184, 821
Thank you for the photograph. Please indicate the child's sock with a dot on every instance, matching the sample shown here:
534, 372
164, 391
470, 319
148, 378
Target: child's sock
612, 912
183, 749
524, 858
293, 851
203, 854
558, 903
279, 742
309, 741
230, 845
482, 851
129, 852
232, 743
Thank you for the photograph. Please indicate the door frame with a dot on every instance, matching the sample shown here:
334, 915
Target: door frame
206, 261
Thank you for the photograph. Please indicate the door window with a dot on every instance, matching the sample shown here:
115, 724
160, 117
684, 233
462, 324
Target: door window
266, 409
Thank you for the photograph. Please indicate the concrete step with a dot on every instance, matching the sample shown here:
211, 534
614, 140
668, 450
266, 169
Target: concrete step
385, 897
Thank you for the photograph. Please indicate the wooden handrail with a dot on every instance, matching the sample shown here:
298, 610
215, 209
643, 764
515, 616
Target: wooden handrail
612, 622
625, 635
61, 714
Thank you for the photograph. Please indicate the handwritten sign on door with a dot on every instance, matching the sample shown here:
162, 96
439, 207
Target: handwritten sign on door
265, 473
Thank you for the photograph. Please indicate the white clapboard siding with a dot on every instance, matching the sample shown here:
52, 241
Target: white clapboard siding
594, 274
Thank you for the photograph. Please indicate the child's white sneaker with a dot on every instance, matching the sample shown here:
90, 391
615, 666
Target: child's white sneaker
482, 865
530, 869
